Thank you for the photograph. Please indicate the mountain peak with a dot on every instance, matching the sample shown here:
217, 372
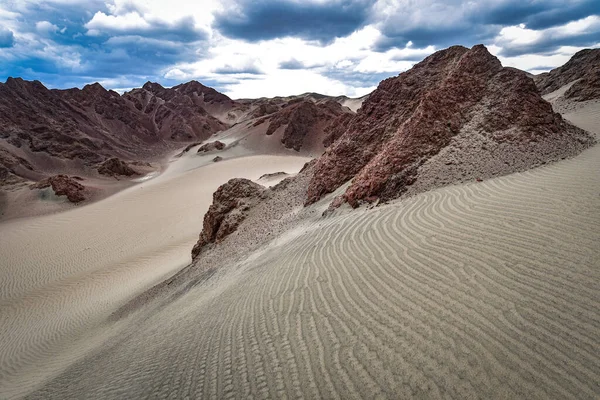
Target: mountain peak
409, 119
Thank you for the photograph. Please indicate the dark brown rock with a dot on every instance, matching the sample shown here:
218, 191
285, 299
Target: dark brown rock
231, 202
115, 166
94, 124
410, 118
302, 118
584, 66
180, 112
211, 146
63, 185
9, 164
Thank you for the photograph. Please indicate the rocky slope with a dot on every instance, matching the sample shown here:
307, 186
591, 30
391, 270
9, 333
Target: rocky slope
44, 130
180, 112
583, 67
231, 203
211, 146
457, 93
116, 167
302, 120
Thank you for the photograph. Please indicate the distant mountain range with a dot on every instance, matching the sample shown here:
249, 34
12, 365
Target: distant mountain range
46, 131
407, 120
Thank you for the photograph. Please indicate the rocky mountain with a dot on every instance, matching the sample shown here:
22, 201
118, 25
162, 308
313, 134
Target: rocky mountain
584, 68
44, 130
458, 112
300, 120
181, 112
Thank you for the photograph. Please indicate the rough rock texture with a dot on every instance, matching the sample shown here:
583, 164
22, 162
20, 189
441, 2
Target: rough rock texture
63, 185
265, 107
180, 112
90, 125
115, 166
412, 117
584, 66
231, 203
273, 175
9, 165
87, 124
337, 128
303, 118
211, 146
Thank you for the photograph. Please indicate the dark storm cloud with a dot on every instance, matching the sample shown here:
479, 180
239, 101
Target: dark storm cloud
182, 30
540, 15
548, 45
440, 37
442, 24
269, 19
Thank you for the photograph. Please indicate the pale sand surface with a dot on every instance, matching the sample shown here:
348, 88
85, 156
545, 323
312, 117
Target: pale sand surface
484, 290
62, 275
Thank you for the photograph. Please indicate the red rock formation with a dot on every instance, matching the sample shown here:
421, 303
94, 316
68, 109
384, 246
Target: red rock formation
410, 118
94, 124
9, 165
585, 66
62, 185
302, 119
115, 166
180, 112
216, 145
230, 204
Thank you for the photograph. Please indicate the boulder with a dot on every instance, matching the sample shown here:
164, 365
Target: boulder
231, 203
63, 185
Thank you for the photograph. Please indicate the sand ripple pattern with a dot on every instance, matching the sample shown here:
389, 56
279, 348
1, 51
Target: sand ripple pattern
488, 290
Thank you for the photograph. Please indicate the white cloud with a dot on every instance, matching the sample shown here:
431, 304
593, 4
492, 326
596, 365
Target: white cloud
46, 27
520, 35
116, 23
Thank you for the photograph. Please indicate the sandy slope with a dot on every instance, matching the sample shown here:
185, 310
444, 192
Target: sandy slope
483, 290
61, 275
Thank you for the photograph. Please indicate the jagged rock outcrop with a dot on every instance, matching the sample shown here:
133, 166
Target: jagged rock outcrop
115, 167
584, 67
412, 117
302, 119
59, 123
231, 202
92, 124
63, 185
211, 146
273, 175
9, 166
180, 112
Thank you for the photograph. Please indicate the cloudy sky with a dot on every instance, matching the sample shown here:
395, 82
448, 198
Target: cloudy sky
253, 48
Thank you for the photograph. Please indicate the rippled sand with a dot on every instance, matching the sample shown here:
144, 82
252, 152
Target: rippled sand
62, 275
485, 290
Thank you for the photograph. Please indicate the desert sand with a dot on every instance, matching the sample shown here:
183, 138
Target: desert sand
478, 290
63, 274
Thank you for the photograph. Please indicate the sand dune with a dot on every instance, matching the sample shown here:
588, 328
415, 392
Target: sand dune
484, 290
62, 275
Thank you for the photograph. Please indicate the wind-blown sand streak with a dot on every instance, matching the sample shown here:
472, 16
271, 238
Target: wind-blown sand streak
62, 275
483, 290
